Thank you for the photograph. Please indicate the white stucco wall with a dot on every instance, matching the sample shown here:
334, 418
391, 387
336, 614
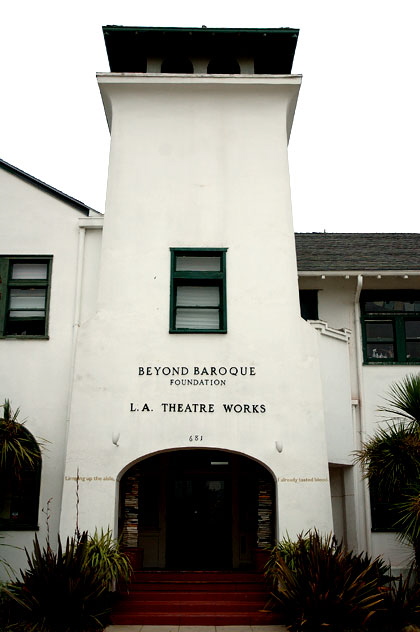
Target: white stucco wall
336, 386
198, 164
35, 374
369, 388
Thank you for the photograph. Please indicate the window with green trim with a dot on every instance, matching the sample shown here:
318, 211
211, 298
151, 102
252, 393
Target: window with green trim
24, 296
391, 326
198, 290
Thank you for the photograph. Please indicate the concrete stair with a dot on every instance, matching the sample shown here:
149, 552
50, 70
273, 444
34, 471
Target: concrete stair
195, 598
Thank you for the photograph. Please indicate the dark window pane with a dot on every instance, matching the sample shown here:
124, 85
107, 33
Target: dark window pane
380, 351
379, 330
412, 329
412, 349
19, 496
383, 510
394, 305
374, 306
308, 304
25, 327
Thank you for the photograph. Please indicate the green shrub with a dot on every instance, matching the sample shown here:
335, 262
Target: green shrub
320, 586
104, 556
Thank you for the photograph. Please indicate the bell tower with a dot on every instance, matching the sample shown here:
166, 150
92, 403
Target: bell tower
197, 342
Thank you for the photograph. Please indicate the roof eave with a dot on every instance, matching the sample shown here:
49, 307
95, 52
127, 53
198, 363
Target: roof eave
39, 184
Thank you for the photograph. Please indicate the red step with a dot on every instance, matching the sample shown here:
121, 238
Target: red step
195, 598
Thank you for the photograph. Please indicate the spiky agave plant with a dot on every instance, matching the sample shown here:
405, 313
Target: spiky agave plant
18, 448
58, 591
326, 587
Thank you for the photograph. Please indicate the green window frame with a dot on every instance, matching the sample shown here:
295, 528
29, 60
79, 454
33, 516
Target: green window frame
390, 326
24, 296
198, 291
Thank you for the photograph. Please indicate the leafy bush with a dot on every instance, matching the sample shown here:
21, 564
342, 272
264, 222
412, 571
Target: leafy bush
318, 585
66, 591
287, 549
104, 556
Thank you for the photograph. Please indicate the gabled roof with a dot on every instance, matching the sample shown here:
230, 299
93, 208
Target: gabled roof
67, 199
326, 252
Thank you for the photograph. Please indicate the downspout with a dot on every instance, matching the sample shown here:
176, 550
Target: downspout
360, 424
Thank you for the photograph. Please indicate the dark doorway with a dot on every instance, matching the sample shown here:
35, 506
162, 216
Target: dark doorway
199, 522
197, 509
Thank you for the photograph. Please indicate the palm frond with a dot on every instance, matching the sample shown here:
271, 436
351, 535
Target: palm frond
18, 447
391, 458
408, 524
403, 401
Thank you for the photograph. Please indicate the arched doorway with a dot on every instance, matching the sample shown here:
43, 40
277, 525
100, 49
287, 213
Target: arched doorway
197, 509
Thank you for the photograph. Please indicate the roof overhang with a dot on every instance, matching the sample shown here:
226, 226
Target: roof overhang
128, 47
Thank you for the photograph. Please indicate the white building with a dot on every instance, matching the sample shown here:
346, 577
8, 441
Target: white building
160, 349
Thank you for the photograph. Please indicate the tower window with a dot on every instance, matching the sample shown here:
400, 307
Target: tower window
198, 291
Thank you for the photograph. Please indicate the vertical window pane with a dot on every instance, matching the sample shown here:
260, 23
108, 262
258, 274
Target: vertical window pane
412, 334
412, 329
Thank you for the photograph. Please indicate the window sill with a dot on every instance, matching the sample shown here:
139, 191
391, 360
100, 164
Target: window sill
198, 331
383, 530
24, 337
391, 363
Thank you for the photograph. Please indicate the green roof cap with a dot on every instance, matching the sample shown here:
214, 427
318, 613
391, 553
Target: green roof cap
129, 47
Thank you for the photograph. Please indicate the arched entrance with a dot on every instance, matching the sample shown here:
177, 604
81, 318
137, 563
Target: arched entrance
197, 509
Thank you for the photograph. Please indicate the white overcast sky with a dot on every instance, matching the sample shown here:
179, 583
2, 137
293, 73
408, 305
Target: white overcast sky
355, 144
